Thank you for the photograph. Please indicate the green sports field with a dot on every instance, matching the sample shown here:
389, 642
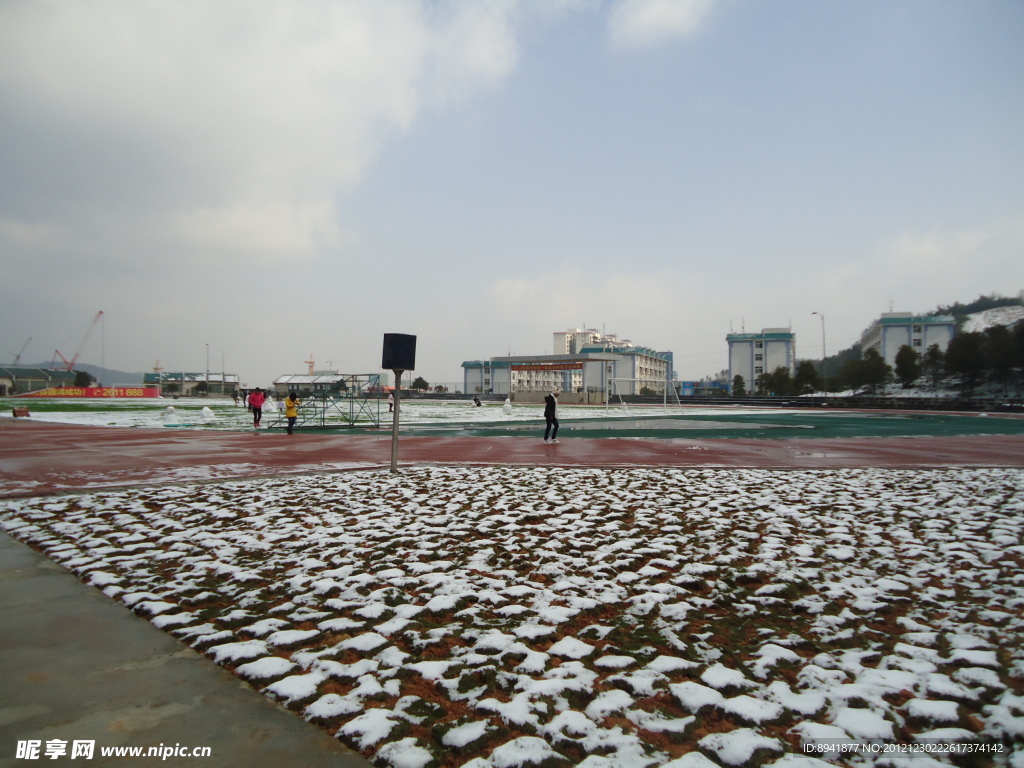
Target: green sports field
767, 425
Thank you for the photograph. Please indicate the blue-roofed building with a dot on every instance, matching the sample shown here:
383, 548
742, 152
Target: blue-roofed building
586, 365
751, 354
896, 329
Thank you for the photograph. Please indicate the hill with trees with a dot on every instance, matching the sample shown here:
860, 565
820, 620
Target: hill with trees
991, 358
981, 304
106, 376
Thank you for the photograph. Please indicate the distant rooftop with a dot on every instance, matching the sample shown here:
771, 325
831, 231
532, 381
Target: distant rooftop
156, 378
906, 318
15, 372
767, 333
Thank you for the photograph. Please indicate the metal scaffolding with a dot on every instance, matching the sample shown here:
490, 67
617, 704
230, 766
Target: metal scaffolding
353, 401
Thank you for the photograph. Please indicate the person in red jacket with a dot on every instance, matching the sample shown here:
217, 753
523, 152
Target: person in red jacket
256, 400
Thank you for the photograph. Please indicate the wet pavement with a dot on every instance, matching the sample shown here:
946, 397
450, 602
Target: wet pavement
39, 458
75, 665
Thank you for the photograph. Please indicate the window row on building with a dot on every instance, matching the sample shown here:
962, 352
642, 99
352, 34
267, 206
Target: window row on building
896, 329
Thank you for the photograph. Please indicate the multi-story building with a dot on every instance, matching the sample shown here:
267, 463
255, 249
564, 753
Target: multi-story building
584, 362
189, 384
751, 354
896, 329
572, 341
630, 369
482, 377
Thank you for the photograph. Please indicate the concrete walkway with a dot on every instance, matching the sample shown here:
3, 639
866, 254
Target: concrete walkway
75, 665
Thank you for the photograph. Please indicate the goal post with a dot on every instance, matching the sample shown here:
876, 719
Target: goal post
620, 386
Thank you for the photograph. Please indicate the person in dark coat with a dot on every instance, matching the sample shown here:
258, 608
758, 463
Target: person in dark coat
551, 417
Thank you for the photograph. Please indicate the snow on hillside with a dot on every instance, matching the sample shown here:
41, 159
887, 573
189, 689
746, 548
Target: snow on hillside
504, 617
979, 321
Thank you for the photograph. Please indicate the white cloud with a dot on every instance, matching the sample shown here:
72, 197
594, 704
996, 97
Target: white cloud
910, 253
917, 269
227, 127
643, 23
268, 228
569, 297
913, 271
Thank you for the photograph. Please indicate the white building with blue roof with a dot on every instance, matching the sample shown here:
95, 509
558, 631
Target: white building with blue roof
751, 354
896, 329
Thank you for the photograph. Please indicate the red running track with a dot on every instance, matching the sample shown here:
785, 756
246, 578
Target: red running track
40, 458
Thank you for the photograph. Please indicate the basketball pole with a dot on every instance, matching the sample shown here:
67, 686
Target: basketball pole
394, 420
398, 356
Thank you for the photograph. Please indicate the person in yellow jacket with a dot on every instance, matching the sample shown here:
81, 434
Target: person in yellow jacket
291, 410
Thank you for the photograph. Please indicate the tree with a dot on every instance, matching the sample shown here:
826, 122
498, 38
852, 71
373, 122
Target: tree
779, 382
1000, 354
83, 379
831, 368
964, 358
807, 379
908, 365
875, 370
934, 364
739, 387
851, 375
1018, 346
646, 391
870, 371
420, 383
980, 304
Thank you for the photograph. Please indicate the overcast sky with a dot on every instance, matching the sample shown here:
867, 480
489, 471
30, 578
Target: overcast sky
274, 180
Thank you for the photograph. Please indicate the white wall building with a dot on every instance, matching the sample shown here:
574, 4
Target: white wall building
896, 329
584, 362
575, 339
751, 354
481, 377
629, 369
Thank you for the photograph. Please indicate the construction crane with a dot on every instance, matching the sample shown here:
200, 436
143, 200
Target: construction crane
17, 357
70, 364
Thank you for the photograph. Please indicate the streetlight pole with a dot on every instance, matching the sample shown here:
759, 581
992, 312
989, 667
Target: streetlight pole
824, 370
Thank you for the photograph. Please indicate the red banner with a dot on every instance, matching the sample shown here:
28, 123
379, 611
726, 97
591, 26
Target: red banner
95, 392
548, 367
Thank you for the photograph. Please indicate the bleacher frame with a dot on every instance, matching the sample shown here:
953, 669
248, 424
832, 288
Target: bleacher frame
354, 401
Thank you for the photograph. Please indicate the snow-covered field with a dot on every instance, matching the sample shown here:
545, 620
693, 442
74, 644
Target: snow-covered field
507, 617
